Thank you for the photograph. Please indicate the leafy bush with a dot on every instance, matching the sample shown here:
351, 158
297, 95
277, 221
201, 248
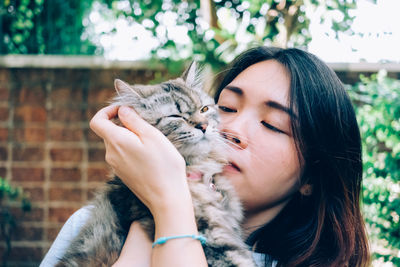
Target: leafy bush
44, 27
8, 196
377, 101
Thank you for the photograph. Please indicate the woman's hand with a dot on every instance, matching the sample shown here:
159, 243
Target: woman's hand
143, 158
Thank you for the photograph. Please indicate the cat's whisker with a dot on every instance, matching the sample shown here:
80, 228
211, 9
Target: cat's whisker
240, 137
221, 72
182, 138
231, 146
234, 136
229, 143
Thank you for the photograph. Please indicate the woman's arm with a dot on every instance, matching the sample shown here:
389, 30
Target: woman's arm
155, 172
137, 248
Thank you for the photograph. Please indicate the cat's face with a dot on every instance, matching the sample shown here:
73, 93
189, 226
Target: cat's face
179, 108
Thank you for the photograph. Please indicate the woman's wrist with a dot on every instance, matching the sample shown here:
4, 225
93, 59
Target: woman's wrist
175, 216
174, 195
177, 220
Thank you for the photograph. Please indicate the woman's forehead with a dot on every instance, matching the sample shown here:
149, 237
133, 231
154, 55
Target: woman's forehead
263, 81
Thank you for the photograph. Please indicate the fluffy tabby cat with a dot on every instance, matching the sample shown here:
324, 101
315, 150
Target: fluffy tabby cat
188, 117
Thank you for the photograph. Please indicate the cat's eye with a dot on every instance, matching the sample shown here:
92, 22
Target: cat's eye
272, 128
204, 109
226, 109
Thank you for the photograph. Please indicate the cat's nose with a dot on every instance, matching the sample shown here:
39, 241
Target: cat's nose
201, 126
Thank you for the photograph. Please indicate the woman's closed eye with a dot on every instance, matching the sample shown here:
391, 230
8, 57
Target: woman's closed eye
226, 109
271, 127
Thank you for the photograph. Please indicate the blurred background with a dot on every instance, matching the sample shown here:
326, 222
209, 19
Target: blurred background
58, 60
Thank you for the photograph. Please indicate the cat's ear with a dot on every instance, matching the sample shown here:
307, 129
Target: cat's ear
189, 75
122, 87
192, 76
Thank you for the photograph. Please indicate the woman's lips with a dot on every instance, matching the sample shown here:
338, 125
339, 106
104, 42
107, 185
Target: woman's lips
231, 167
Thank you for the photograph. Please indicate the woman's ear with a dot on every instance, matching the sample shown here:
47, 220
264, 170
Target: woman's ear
306, 190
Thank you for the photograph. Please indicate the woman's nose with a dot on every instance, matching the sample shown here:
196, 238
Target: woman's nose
234, 139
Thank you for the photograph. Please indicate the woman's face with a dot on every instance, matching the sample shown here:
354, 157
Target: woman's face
255, 118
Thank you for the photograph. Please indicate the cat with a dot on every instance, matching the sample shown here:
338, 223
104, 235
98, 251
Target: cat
188, 117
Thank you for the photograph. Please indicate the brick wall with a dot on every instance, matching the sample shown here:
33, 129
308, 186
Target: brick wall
47, 148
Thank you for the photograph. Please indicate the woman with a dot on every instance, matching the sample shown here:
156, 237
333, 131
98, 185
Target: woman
295, 163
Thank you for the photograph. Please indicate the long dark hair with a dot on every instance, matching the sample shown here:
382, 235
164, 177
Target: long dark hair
325, 228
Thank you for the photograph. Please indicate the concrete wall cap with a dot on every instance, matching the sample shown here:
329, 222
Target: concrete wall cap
72, 61
98, 62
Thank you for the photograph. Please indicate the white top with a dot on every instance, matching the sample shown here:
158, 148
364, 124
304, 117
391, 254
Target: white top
71, 229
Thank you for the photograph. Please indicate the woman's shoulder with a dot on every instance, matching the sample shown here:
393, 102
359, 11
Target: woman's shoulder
67, 233
79, 218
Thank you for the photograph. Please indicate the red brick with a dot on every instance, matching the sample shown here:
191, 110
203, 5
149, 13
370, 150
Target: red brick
101, 96
28, 153
67, 114
65, 95
92, 137
60, 215
28, 233
4, 94
4, 114
30, 134
35, 96
32, 77
66, 154
34, 215
25, 254
3, 134
98, 174
105, 78
65, 174
52, 233
3, 153
3, 172
97, 154
65, 134
30, 114
34, 194
65, 194
27, 174
92, 110
4, 75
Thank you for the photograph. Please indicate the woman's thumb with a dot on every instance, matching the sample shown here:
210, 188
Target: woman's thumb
132, 121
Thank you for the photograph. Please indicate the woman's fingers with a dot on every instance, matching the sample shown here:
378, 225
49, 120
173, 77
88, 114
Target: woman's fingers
101, 123
132, 121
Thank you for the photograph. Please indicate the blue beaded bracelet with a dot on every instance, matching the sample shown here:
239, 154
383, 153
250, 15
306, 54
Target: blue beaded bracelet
162, 240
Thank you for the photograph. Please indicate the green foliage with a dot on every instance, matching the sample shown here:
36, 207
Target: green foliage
377, 101
44, 27
214, 31
8, 196
219, 30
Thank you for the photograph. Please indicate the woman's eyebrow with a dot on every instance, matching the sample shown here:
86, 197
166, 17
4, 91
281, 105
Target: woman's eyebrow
278, 106
270, 103
234, 89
